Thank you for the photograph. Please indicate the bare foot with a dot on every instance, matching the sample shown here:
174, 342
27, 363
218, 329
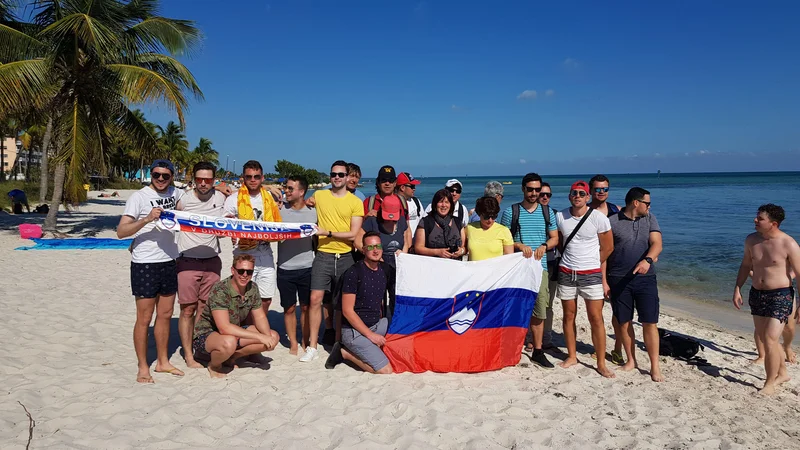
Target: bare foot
782, 379
293, 349
216, 372
144, 376
192, 364
170, 369
567, 363
768, 389
791, 357
628, 366
606, 372
758, 361
655, 375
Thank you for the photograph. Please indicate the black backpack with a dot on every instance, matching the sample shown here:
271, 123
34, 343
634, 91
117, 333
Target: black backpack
515, 228
677, 346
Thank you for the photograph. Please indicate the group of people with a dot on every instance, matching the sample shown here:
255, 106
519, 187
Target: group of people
345, 275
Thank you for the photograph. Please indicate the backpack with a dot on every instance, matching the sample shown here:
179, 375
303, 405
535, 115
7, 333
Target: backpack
515, 211
429, 224
419, 206
371, 203
677, 346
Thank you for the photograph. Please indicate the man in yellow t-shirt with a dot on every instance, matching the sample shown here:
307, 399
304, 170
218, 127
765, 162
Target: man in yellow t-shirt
339, 215
487, 238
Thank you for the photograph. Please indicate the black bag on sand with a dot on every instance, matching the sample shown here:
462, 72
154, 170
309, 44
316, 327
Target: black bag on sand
677, 346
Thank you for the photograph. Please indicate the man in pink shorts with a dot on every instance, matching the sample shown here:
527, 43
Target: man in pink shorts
199, 264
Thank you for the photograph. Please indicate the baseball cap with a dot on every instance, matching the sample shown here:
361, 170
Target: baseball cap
386, 173
453, 182
391, 207
406, 178
165, 163
580, 186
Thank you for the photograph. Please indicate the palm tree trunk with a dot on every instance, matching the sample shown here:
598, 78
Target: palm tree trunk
44, 174
55, 201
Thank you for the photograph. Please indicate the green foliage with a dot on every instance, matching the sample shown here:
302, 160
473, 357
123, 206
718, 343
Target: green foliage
31, 189
286, 168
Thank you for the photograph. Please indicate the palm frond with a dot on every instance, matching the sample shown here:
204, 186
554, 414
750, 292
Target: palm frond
79, 141
95, 37
17, 45
172, 69
24, 82
141, 85
155, 34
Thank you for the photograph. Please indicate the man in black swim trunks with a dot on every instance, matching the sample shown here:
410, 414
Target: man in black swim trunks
771, 254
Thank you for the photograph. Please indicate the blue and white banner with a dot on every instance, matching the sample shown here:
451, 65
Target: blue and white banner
174, 220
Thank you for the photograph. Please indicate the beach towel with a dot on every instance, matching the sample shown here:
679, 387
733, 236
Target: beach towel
456, 316
183, 221
79, 244
271, 213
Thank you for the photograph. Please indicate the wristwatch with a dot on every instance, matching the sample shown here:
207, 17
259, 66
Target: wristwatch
330, 234
649, 260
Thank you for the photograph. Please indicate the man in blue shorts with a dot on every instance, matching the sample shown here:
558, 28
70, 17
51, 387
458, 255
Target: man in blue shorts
630, 276
364, 326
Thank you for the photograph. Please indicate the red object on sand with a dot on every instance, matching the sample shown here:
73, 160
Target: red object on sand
30, 231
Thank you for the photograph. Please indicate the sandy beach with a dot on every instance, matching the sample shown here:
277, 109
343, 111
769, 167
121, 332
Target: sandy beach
68, 358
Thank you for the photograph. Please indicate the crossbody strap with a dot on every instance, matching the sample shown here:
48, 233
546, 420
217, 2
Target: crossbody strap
575, 231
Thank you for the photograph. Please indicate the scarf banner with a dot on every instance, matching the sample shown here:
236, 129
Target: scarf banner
174, 220
454, 316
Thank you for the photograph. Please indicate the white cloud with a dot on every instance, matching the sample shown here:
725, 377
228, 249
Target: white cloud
458, 108
549, 93
522, 161
571, 63
527, 94
704, 152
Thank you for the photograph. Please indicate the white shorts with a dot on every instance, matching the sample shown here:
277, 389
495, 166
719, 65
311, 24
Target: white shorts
594, 292
264, 274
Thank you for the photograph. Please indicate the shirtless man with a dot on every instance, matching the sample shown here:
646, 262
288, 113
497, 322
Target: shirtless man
771, 254
787, 335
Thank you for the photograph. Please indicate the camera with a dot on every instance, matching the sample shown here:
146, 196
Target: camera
453, 249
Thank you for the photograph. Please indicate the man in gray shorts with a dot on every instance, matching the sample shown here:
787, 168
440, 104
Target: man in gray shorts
363, 327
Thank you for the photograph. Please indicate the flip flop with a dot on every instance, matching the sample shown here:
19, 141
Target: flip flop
174, 371
617, 358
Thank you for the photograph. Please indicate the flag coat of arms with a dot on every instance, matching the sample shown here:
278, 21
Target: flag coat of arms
455, 316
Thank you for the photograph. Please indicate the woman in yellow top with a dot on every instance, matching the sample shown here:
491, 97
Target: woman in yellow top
487, 238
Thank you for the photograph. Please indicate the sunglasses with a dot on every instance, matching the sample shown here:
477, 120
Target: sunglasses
646, 203
546, 194
388, 180
161, 176
200, 180
578, 193
454, 190
532, 189
249, 272
489, 217
252, 177
373, 247
338, 174
599, 190
410, 186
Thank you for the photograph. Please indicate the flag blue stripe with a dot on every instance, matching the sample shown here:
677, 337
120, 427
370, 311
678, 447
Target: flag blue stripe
505, 307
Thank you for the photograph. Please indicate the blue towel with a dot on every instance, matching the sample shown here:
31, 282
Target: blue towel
79, 244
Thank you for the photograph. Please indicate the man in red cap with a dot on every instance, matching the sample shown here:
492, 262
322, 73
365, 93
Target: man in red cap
586, 242
406, 188
391, 225
385, 183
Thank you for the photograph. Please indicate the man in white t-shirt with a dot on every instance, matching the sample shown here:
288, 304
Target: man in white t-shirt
460, 212
199, 265
406, 188
154, 276
579, 272
254, 202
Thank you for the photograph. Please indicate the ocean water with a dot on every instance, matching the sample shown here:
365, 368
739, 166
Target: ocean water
704, 218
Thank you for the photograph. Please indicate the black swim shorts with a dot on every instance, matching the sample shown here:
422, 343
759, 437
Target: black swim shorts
773, 303
149, 280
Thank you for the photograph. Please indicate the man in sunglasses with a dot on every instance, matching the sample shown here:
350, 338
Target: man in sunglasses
599, 186
154, 276
364, 324
552, 270
385, 184
406, 190
220, 334
630, 276
199, 265
534, 233
254, 202
340, 215
460, 212
586, 242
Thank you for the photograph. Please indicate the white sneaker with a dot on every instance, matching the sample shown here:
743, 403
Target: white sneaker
310, 355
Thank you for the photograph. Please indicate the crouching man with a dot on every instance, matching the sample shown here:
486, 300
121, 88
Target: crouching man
363, 323
221, 334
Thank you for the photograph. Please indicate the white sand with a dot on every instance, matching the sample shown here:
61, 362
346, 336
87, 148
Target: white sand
67, 355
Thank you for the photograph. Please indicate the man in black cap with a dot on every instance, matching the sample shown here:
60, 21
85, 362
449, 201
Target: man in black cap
385, 183
154, 275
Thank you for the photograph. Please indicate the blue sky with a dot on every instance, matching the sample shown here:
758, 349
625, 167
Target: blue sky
499, 88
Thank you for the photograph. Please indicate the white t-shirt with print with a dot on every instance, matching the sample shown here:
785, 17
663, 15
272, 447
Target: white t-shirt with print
415, 215
232, 209
583, 251
150, 244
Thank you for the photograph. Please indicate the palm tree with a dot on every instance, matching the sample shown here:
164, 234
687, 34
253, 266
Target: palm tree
205, 152
84, 62
173, 145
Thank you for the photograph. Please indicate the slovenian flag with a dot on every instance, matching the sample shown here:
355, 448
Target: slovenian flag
455, 316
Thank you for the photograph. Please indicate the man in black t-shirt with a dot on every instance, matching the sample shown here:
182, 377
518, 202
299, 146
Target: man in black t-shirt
363, 323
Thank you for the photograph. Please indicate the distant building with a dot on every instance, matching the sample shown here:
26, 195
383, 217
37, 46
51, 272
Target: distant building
11, 148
